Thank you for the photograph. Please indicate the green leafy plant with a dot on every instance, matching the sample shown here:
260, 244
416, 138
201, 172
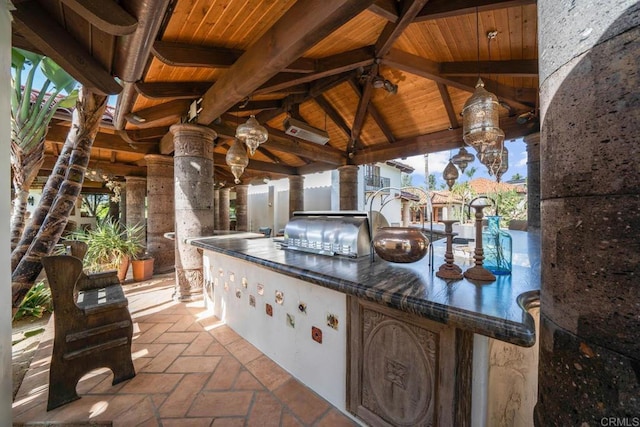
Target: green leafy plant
109, 243
36, 302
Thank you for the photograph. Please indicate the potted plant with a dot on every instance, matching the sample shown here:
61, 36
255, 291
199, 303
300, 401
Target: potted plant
110, 246
142, 266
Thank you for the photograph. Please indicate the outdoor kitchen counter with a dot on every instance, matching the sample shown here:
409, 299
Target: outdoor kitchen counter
497, 309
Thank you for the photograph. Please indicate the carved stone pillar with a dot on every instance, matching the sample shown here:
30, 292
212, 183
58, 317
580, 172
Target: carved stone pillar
224, 208
590, 120
242, 207
161, 211
533, 180
136, 198
296, 194
216, 208
348, 187
193, 171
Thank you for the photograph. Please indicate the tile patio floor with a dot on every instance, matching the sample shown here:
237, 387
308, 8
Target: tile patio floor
192, 370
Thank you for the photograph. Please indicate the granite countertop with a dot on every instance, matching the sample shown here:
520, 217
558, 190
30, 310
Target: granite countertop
496, 309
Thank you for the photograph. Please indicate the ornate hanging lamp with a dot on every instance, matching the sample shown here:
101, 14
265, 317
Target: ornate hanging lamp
252, 134
237, 159
462, 159
497, 161
450, 174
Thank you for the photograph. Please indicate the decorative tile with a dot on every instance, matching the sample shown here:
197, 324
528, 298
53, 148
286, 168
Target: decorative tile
279, 297
332, 321
245, 282
232, 277
269, 309
302, 307
238, 293
252, 300
291, 320
260, 289
316, 334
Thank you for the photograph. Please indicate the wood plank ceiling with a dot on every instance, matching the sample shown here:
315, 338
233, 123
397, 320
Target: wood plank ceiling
313, 60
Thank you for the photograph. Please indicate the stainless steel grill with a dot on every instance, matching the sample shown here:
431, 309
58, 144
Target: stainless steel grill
331, 232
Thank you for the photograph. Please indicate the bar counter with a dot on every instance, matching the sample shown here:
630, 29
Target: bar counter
496, 309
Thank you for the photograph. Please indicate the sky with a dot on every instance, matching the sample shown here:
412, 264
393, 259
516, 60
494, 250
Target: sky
438, 161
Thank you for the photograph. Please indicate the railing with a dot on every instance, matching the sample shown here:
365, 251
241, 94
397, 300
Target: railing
375, 182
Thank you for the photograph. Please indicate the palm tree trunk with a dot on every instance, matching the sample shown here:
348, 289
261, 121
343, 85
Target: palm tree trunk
86, 121
25, 169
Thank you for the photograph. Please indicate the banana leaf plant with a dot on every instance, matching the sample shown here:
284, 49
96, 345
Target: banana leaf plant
31, 113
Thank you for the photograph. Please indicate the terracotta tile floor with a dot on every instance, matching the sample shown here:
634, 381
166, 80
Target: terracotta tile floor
192, 370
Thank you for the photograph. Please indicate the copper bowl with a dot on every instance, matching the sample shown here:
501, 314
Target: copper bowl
400, 244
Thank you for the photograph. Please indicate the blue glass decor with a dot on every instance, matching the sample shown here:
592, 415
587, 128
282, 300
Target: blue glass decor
497, 247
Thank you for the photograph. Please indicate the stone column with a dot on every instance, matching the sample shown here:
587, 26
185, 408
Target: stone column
296, 194
123, 204
223, 211
242, 207
533, 180
589, 367
348, 187
216, 207
135, 205
161, 211
406, 213
193, 180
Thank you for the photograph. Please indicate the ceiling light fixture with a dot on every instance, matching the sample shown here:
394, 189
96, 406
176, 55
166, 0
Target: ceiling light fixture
237, 159
450, 174
462, 159
252, 134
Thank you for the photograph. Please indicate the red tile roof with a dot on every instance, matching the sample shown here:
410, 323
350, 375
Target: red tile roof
487, 186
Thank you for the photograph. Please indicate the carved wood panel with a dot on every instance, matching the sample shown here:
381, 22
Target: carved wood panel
402, 368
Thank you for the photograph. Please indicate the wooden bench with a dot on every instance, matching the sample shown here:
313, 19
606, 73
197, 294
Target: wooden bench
93, 327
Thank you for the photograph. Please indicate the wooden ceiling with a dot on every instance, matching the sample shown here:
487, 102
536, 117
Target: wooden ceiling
314, 60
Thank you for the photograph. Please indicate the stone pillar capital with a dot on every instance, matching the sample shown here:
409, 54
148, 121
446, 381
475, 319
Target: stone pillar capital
191, 140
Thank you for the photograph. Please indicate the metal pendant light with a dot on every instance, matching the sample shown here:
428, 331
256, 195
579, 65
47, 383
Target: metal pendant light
252, 134
496, 161
450, 174
237, 159
462, 159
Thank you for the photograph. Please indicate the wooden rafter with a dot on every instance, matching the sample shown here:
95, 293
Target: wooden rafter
149, 133
58, 134
437, 9
386, 9
256, 165
301, 27
361, 110
186, 55
172, 90
275, 159
120, 169
147, 117
333, 114
269, 104
37, 27
375, 114
515, 68
448, 106
393, 30
106, 15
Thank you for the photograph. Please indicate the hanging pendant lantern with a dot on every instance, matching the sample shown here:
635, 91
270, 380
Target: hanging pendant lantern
480, 120
450, 174
462, 159
252, 134
497, 162
237, 159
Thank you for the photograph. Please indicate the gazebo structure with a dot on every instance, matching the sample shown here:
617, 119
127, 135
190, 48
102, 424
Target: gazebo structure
383, 80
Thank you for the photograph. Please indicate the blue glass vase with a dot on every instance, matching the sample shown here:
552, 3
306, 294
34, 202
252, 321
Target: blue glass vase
497, 247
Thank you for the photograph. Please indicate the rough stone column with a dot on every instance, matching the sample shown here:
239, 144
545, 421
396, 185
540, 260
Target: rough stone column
296, 194
216, 208
242, 207
160, 211
533, 180
348, 187
135, 205
223, 211
193, 179
123, 204
589, 367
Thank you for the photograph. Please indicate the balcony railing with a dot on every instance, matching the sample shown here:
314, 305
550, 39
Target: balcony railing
375, 182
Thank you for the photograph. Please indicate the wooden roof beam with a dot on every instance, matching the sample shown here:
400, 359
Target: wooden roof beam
435, 142
172, 90
437, 9
329, 66
393, 30
37, 27
105, 15
57, 134
269, 104
333, 114
147, 117
514, 68
219, 159
375, 114
149, 133
120, 169
387, 9
302, 26
187, 55
361, 110
448, 106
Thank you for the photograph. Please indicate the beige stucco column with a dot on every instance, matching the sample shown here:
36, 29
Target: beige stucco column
136, 203
589, 370
296, 194
533, 180
160, 211
223, 210
193, 183
348, 187
242, 207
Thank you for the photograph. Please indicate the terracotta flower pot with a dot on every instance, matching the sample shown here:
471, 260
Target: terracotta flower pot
123, 268
142, 269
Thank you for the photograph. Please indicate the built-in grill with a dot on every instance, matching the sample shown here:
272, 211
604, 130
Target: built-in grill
330, 232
